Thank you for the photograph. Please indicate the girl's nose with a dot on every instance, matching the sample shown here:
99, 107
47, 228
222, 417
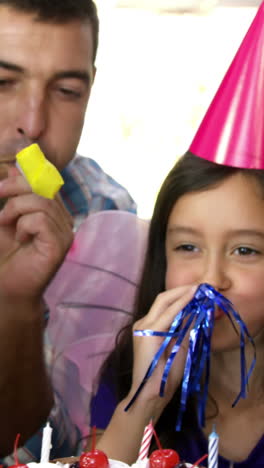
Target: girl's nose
216, 274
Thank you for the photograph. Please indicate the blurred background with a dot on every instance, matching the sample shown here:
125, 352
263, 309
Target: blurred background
159, 64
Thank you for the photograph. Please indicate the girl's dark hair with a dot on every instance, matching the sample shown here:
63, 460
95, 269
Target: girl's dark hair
60, 11
190, 174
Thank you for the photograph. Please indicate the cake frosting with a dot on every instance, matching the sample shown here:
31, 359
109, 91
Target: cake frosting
112, 464
48, 465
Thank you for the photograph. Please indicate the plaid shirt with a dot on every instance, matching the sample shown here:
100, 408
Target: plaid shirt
87, 189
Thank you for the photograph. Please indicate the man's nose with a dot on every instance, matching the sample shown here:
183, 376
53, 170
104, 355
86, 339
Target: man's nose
216, 273
32, 118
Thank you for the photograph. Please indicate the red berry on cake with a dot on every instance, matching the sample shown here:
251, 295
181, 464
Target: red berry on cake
94, 459
164, 458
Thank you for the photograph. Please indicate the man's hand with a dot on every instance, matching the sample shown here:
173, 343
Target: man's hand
35, 235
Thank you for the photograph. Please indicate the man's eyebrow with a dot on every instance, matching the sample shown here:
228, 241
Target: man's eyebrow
82, 75
79, 74
11, 66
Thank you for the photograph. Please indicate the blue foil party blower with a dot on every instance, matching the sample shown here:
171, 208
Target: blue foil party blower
198, 318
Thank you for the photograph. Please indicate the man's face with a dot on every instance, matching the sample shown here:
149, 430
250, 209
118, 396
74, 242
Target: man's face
46, 74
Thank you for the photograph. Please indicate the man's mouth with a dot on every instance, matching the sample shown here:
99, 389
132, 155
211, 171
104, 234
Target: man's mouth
8, 160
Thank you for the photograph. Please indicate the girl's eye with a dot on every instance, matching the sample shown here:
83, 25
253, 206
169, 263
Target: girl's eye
246, 251
186, 248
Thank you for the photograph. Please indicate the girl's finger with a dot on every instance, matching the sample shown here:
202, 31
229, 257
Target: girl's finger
171, 302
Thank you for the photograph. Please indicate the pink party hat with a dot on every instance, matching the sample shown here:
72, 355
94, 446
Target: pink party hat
232, 131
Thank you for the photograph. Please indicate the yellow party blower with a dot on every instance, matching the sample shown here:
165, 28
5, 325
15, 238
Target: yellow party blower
42, 176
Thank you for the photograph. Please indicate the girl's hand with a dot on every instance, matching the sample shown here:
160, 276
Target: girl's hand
166, 306
121, 440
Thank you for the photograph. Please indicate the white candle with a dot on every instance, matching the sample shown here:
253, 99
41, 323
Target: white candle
213, 441
46, 444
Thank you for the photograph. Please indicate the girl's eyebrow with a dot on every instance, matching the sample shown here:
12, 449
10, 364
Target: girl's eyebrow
177, 229
247, 232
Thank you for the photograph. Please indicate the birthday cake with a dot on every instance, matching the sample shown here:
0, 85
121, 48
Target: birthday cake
112, 464
87, 461
160, 458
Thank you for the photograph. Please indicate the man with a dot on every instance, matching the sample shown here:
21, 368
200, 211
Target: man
47, 54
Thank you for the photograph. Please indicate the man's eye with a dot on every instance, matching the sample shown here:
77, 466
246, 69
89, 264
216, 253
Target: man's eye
6, 82
246, 251
70, 92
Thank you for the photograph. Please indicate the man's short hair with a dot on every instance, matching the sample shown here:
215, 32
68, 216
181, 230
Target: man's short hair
60, 11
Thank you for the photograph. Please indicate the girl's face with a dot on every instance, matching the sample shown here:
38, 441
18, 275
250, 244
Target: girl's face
217, 237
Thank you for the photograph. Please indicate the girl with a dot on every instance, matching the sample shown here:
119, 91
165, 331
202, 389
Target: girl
207, 226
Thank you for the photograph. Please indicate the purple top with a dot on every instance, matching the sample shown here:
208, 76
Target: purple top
194, 445
190, 447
